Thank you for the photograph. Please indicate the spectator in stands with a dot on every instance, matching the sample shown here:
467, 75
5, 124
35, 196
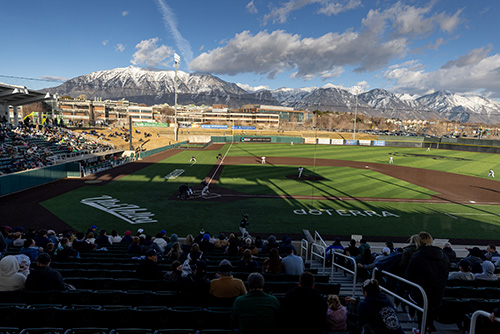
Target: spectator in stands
250, 246
161, 243
376, 314
148, 269
10, 277
449, 251
270, 244
50, 249
247, 263
175, 272
221, 243
352, 250
41, 239
205, 245
488, 273
91, 238
258, 243
194, 281
428, 268
336, 316
135, 248
115, 237
292, 264
273, 265
127, 237
336, 246
188, 242
18, 239
389, 244
364, 260
24, 264
44, 278
82, 245
226, 286
491, 253
232, 248
304, 309
51, 235
408, 251
195, 254
475, 257
31, 250
173, 239
65, 252
103, 240
363, 244
464, 272
175, 252
369, 266
256, 311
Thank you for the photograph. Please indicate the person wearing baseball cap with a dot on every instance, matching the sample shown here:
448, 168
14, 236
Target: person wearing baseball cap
148, 269
226, 286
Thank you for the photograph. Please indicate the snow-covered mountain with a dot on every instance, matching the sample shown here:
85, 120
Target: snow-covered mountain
153, 86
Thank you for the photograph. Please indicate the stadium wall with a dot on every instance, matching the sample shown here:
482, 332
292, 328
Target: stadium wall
148, 153
257, 139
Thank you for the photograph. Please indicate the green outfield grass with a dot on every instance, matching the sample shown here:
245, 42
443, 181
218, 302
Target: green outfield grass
148, 190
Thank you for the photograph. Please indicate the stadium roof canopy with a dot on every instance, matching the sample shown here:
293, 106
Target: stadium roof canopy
20, 95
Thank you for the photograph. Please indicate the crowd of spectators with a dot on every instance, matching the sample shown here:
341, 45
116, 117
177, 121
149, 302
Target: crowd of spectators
29, 147
301, 310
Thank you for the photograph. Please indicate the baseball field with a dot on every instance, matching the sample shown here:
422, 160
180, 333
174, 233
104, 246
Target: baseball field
343, 190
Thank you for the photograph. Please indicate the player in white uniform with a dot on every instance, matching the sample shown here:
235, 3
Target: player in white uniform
391, 160
263, 160
491, 173
301, 169
193, 158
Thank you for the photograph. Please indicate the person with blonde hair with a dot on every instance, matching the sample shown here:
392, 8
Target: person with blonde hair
428, 268
336, 315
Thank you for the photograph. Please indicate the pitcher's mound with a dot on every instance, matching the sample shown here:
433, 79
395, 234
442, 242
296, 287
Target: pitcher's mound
305, 177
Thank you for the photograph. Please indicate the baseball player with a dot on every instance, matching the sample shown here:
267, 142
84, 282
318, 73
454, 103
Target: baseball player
263, 160
491, 173
243, 225
391, 160
193, 158
301, 169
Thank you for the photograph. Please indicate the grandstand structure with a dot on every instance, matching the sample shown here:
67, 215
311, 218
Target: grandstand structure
16, 96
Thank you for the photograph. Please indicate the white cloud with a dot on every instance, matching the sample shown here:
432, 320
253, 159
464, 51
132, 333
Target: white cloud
124, 13
251, 8
276, 52
120, 47
52, 78
170, 22
105, 42
149, 53
471, 72
385, 36
251, 89
327, 7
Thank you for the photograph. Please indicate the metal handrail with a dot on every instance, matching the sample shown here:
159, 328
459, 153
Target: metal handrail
354, 272
472, 329
423, 309
316, 235
321, 255
304, 246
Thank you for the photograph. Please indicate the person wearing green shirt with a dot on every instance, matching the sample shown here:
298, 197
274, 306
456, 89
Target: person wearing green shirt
256, 311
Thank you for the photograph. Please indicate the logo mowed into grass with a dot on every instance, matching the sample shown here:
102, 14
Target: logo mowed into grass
344, 213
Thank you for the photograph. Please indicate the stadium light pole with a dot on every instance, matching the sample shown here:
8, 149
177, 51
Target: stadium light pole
356, 91
177, 60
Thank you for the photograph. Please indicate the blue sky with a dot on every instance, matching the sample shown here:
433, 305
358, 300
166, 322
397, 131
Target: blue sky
408, 46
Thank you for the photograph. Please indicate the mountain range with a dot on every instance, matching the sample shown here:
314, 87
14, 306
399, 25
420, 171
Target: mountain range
153, 86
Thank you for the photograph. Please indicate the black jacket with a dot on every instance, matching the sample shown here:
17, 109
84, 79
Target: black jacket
304, 311
377, 311
428, 268
44, 279
149, 270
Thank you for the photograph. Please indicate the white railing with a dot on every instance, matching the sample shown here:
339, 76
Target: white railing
319, 251
317, 238
472, 329
422, 309
354, 271
304, 248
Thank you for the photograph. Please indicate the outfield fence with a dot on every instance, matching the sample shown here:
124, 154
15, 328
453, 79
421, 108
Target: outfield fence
148, 153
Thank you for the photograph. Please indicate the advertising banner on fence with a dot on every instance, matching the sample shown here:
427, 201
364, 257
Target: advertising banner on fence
324, 141
255, 139
351, 142
379, 143
243, 127
154, 125
213, 126
365, 142
309, 140
337, 141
